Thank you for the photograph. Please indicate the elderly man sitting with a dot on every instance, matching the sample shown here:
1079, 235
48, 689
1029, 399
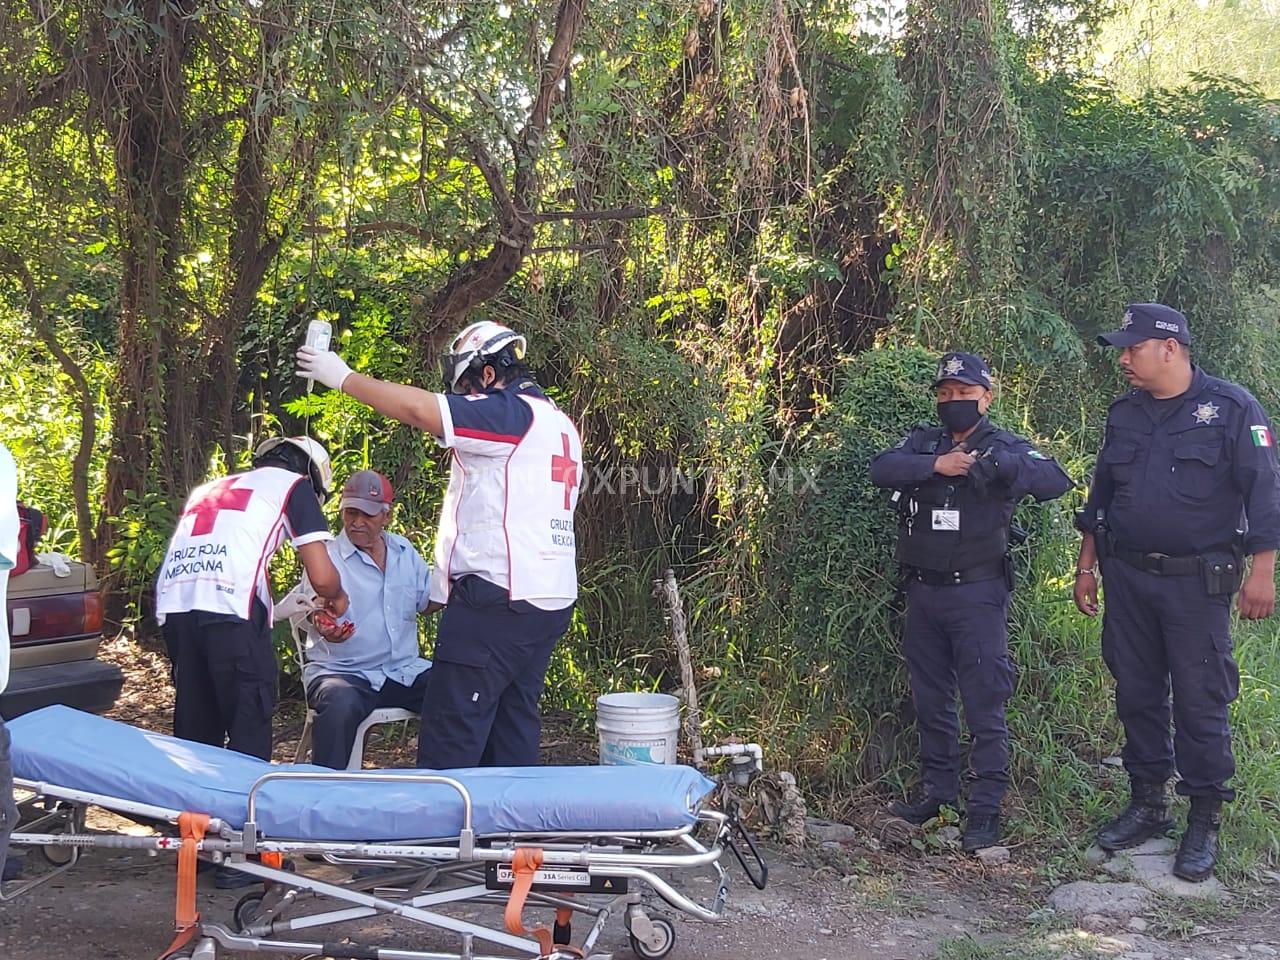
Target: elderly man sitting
377, 665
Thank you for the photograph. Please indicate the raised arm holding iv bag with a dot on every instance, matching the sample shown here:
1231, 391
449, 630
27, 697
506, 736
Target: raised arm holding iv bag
319, 336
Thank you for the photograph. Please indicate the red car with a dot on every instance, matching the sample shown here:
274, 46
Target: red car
55, 626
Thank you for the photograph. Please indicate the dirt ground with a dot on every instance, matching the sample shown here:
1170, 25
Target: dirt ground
851, 899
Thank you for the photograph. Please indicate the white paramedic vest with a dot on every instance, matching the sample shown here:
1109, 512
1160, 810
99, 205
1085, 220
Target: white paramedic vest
510, 519
229, 528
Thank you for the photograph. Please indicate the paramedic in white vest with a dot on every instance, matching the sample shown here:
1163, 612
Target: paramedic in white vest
505, 564
213, 598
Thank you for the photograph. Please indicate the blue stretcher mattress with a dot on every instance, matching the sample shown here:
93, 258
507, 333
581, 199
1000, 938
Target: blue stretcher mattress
80, 751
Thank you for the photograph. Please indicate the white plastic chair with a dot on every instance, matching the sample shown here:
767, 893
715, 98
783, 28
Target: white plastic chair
355, 760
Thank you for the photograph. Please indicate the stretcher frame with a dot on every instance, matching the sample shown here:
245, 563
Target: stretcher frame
427, 873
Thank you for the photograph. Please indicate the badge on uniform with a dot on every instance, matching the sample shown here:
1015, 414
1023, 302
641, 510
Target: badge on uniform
1206, 412
1261, 434
946, 519
1036, 455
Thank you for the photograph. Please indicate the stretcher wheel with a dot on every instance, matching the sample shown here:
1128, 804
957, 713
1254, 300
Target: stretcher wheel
664, 931
57, 855
246, 910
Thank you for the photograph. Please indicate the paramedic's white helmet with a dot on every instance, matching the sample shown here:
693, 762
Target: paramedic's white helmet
474, 346
317, 459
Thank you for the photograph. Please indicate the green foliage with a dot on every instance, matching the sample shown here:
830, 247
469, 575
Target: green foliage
1143, 200
825, 210
963, 207
39, 422
1153, 44
968, 947
142, 537
844, 605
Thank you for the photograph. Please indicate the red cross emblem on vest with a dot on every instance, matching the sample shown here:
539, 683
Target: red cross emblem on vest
223, 495
564, 469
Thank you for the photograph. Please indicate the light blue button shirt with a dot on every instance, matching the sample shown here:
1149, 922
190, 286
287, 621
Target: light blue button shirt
384, 608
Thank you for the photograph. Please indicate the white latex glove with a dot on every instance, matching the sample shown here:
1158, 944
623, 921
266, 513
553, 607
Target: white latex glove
324, 366
299, 602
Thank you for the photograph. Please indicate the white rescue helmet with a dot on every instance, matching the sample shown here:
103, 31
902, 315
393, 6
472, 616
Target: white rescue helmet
474, 346
319, 466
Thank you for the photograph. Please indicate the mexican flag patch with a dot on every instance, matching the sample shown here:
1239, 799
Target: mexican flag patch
1261, 435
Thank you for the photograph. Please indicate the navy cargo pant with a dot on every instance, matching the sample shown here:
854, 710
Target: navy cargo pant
956, 635
342, 701
486, 677
8, 808
1163, 635
224, 681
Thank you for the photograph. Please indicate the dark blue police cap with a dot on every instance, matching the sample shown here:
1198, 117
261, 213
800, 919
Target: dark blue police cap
965, 367
1147, 321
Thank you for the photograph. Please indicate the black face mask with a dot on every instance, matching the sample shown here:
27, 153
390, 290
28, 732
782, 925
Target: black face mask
959, 415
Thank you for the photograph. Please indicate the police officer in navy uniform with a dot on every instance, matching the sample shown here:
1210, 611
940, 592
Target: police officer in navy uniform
956, 487
505, 554
1185, 497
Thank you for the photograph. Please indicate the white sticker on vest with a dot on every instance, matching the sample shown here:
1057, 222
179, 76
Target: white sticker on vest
946, 519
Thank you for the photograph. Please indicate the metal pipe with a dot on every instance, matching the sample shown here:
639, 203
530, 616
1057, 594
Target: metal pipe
752, 750
557, 858
109, 803
110, 841
381, 905
422, 779
672, 896
249, 944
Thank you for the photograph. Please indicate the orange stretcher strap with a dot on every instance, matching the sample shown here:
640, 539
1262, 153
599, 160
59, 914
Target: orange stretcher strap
191, 827
525, 864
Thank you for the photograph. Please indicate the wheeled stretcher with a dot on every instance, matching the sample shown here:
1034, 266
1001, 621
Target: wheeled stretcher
574, 840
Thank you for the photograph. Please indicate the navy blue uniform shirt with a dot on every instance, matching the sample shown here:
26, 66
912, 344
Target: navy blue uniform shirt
497, 415
1180, 476
984, 519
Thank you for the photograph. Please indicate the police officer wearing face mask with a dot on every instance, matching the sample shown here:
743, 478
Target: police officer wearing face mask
956, 487
1185, 489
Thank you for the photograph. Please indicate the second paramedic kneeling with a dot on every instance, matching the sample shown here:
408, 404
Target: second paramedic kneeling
505, 558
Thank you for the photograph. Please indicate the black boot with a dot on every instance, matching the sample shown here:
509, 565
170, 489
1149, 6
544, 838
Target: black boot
1146, 816
981, 830
1198, 851
919, 807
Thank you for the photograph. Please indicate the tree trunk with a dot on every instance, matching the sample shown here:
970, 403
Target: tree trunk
144, 107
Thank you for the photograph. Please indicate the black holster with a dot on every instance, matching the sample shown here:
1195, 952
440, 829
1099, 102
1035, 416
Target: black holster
1222, 571
1103, 542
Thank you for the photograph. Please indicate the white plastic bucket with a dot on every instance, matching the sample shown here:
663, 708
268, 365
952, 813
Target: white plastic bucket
637, 728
